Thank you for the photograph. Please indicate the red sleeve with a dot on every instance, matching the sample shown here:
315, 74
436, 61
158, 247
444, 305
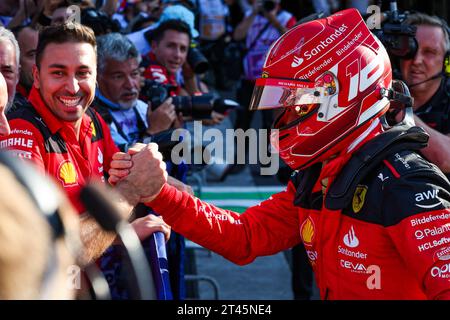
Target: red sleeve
24, 142
264, 229
422, 236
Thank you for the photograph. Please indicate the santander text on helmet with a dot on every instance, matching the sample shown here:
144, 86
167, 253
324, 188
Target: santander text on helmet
325, 43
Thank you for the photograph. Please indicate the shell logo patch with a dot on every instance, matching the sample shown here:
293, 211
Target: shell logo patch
307, 231
67, 173
359, 197
94, 132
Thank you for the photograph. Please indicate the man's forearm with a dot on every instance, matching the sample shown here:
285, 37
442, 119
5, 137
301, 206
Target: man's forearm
95, 239
241, 30
277, 25
109, 7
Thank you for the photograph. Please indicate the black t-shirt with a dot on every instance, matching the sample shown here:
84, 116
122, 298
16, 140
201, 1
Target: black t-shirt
435, 112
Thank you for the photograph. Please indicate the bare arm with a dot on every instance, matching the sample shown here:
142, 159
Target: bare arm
95, 239
438, 150
109, 7
27, 8
272, 17
241, 30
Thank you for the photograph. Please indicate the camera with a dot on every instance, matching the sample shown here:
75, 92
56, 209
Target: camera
99, 21
197, 60
197, 107
397, 37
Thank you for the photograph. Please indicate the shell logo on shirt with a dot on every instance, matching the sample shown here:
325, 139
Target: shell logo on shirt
94, 132
67, 173
307, 231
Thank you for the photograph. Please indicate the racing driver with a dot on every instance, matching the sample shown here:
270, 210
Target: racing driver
372, 213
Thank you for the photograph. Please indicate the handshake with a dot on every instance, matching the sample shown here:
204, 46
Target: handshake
140, 174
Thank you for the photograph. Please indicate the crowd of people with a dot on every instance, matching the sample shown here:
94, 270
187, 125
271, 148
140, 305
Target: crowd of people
369, 195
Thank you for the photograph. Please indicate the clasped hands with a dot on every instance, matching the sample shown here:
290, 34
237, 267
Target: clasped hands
140, 174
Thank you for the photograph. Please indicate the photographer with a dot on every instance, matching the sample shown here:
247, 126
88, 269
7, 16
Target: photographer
430, 86
264, 24
129, 118
170, 43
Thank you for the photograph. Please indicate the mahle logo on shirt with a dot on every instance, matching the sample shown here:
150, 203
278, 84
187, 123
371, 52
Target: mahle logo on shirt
67, 173
359, 197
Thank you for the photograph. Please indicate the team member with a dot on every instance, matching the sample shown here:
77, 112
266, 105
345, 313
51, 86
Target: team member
430, 85
62, 136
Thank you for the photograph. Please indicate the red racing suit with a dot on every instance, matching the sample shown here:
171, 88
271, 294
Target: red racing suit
390, 239
37, 135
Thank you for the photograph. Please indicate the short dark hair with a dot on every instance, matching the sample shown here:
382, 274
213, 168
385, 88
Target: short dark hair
420, 18
173, 24
67, 32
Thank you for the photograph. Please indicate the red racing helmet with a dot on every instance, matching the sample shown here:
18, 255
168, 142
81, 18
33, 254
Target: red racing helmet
329, 76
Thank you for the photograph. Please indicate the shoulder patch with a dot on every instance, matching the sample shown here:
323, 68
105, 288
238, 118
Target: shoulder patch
97, 130
53, 143
406, 162
421, 188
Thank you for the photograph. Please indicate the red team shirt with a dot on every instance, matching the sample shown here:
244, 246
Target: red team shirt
38, 136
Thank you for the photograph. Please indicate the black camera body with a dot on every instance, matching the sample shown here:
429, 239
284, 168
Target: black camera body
397, 37
197, 60
197, 107
99, 21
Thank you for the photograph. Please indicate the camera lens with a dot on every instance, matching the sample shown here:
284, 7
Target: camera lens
197, 61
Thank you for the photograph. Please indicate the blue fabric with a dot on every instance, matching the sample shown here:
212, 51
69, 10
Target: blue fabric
114, 265
155, 245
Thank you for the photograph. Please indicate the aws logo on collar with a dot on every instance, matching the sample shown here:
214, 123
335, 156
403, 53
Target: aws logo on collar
67, 174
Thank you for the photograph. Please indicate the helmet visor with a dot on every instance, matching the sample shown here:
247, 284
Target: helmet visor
270, 93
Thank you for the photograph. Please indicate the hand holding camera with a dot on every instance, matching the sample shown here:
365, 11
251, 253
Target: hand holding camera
161, 118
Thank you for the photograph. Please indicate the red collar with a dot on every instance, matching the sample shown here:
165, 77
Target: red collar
52, 122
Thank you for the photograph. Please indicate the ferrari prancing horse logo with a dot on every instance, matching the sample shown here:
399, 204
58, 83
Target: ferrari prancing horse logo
358, 198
